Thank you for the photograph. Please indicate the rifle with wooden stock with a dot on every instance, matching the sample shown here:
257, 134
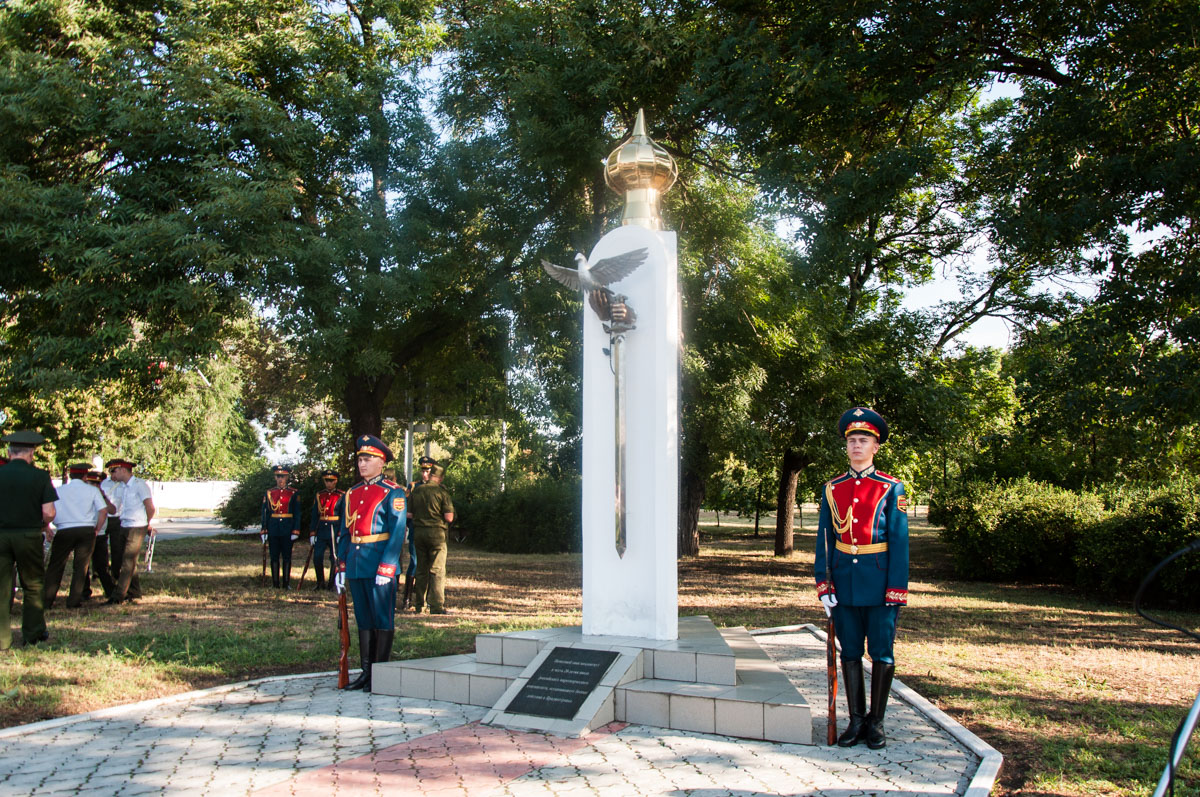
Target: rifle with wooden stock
307, 562
343, 622
830, 656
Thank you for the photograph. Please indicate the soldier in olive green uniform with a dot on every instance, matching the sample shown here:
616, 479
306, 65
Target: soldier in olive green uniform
432, 514
27, 499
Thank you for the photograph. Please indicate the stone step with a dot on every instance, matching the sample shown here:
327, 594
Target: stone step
699, 654
757, 702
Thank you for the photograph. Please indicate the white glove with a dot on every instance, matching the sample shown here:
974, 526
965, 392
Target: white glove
312, 540
382, 581
295, 537
339, 582
829, 600
264, 537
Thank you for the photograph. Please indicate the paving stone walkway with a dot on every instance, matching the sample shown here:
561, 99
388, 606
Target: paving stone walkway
301, 736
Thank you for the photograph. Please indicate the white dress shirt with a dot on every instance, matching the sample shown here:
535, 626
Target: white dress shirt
78, 504
133, 507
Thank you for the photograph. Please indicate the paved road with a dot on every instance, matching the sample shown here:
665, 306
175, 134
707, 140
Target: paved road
299, 735
175, 528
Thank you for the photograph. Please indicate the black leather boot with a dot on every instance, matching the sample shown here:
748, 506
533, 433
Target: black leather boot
408, 588
365, 641
881, 687
287, 574
856, 699
320, 568
275, 574
382, 651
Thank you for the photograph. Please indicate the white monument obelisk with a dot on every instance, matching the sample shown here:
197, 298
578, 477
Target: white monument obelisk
630, 585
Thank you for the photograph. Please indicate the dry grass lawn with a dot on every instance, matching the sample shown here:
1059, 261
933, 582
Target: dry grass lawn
1081, 697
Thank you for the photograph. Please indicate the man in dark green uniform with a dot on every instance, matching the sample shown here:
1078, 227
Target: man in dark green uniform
426, 465
26, 508
432, 513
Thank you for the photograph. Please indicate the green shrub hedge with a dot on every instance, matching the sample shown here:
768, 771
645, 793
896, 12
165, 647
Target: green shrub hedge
243, 508
1018, 530
1104, 542
1120, 550
541, 516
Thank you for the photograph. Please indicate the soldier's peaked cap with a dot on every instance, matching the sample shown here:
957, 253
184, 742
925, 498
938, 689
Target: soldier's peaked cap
24, 437
281, 470
863, 419
423, 461
119, 462
329, 474
78, 469
370, 444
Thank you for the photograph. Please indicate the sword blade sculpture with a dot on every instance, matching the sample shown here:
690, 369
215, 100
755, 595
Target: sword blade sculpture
618, 319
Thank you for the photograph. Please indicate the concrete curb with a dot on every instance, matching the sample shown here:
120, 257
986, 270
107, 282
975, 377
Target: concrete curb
990, 758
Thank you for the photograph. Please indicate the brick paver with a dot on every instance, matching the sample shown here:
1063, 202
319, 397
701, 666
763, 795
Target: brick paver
302, 736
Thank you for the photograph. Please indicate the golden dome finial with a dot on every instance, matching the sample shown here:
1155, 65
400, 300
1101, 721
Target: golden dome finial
642, 171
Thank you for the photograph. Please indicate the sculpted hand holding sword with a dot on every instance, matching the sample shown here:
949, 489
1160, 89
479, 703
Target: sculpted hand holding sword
618, 319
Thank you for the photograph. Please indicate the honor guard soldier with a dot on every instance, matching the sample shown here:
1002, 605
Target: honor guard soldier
281, 524
370, 542
862, 570
27, 499
324, 526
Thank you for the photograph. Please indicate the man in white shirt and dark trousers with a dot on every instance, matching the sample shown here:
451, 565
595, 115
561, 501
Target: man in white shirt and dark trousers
105, 559
137, 512
80, 513
101, 562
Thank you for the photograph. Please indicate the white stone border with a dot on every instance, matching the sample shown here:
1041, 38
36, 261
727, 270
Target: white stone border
102, 713
989, 757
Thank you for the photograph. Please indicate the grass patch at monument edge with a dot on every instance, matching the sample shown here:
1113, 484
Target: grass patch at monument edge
1080, 696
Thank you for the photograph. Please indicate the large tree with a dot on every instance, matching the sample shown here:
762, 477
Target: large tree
134, 190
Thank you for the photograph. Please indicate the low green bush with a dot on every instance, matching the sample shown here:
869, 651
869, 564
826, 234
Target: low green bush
1019, 530
1120, 551
541, 516
243, 508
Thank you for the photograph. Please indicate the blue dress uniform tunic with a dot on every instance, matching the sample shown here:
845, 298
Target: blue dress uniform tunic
324, 526
862, 533
281, 519
371, 530
281, 512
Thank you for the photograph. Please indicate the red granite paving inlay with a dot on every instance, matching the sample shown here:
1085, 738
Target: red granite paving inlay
469, 759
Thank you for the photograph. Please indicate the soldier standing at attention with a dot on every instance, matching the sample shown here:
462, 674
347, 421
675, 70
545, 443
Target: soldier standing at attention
432, 513
281, 524
137, 516
410, 574
370, 542
27, 499
80, 513
323, 534
862, 570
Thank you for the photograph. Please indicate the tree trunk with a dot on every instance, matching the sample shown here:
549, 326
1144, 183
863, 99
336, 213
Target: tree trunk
691, 495
789, 474
757, 507
364, 399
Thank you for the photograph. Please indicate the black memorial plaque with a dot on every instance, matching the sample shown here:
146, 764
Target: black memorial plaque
563, 681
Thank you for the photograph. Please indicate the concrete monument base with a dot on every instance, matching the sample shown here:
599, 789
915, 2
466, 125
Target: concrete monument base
708, 680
